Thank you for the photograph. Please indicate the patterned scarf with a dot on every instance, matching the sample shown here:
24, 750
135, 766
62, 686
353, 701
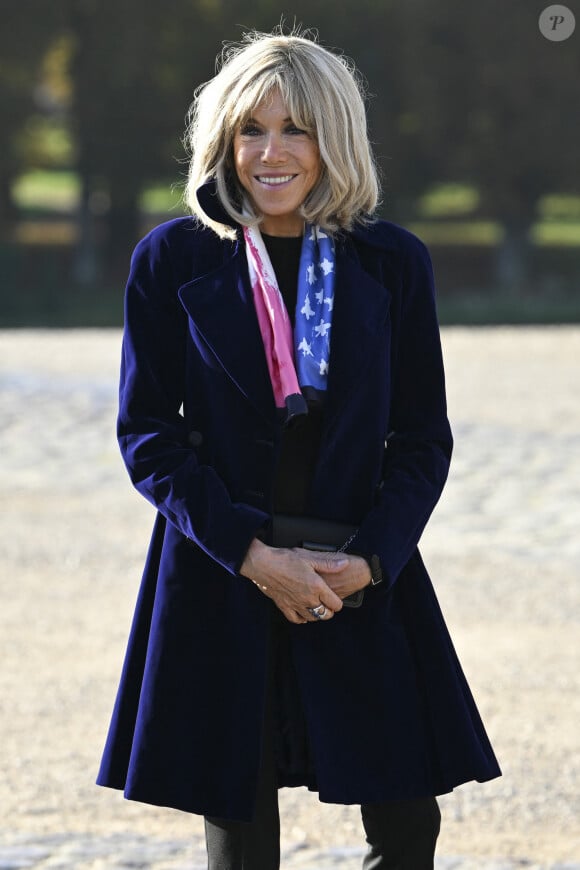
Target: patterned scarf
298, 364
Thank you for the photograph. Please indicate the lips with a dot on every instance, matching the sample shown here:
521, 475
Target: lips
273, 180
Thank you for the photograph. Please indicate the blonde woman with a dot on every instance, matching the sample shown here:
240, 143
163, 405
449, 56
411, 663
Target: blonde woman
282, 406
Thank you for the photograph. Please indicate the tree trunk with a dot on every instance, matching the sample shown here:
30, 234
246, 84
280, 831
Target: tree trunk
513, 258
8, 210
123, 226
85, 258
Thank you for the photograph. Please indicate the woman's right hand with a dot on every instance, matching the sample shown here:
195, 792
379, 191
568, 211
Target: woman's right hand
291, 579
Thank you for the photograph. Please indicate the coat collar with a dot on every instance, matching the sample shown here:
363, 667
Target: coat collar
221, 306
208, 198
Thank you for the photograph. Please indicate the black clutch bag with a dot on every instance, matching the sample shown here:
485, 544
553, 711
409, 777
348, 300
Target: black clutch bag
315, 534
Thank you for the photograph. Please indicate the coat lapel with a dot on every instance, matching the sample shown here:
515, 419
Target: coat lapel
221, 306
361, 309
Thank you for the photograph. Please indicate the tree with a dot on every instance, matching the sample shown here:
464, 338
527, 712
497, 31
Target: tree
496, 105
27, 32
133, 70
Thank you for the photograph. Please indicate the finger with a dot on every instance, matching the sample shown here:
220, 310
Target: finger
329, 566
320, 613
330, 599
311, 617
331, 562
325, 595
294, 617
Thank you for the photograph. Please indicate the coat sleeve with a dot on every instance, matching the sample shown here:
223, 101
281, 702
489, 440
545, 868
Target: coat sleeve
419, 443
161, 462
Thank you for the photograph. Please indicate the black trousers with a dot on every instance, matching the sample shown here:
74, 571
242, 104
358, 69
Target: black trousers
401, 834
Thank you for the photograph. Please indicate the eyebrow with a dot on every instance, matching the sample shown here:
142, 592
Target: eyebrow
251, 118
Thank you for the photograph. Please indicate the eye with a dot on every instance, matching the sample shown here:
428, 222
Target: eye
293, 130
250, 128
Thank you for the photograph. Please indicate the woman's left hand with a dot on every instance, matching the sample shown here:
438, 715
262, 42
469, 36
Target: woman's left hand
355, 575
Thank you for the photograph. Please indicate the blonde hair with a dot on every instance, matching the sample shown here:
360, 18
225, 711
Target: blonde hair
324, 96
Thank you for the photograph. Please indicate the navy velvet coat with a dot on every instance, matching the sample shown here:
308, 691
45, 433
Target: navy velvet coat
388, 711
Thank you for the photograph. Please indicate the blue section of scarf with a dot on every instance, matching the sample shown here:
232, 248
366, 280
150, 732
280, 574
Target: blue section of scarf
314, 305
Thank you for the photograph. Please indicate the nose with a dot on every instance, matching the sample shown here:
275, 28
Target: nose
274, 151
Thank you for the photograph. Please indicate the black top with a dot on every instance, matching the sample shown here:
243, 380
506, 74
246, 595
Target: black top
284, 252
301, 439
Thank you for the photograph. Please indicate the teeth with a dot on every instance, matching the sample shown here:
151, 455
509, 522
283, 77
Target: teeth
279, 179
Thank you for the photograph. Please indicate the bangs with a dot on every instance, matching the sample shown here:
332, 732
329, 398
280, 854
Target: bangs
252, 94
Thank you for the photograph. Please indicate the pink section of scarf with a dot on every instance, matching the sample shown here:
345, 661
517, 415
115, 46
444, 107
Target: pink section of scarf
275, 325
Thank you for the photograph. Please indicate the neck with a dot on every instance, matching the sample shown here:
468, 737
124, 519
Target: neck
266, 235
293, 230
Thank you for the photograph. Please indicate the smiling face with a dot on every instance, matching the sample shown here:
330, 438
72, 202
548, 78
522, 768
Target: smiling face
277, 164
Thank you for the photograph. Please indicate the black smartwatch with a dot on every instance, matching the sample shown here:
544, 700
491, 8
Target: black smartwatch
376, 570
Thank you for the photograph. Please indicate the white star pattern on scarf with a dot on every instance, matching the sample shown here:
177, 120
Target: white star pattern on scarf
306, 309
314, 310
322, 328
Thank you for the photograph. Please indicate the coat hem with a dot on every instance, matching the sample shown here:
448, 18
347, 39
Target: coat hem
378, 796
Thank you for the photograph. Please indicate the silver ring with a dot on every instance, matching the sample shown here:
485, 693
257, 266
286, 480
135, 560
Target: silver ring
319, 612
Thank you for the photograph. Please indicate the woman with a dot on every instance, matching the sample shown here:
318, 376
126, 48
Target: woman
282, 398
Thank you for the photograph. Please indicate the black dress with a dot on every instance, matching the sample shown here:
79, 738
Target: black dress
300, 440
297, 460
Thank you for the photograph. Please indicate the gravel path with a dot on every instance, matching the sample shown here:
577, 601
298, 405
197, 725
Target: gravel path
503, 549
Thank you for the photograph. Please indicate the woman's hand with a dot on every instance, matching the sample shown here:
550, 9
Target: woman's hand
295, 579
354, 574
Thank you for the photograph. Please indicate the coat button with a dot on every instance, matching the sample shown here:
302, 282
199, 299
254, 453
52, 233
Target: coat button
195, 438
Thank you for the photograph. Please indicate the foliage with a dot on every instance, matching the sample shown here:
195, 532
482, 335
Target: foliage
27, 32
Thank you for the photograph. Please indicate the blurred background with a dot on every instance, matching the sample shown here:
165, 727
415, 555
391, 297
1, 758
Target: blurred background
474, 115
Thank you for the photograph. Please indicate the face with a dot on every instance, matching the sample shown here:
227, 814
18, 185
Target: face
277, 164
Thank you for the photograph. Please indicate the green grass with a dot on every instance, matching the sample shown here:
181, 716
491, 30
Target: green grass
550, 233
163, 199
43, 190
67, 307
448, 200
559, 206
493, 309
556, 233
465, 232
59, 191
